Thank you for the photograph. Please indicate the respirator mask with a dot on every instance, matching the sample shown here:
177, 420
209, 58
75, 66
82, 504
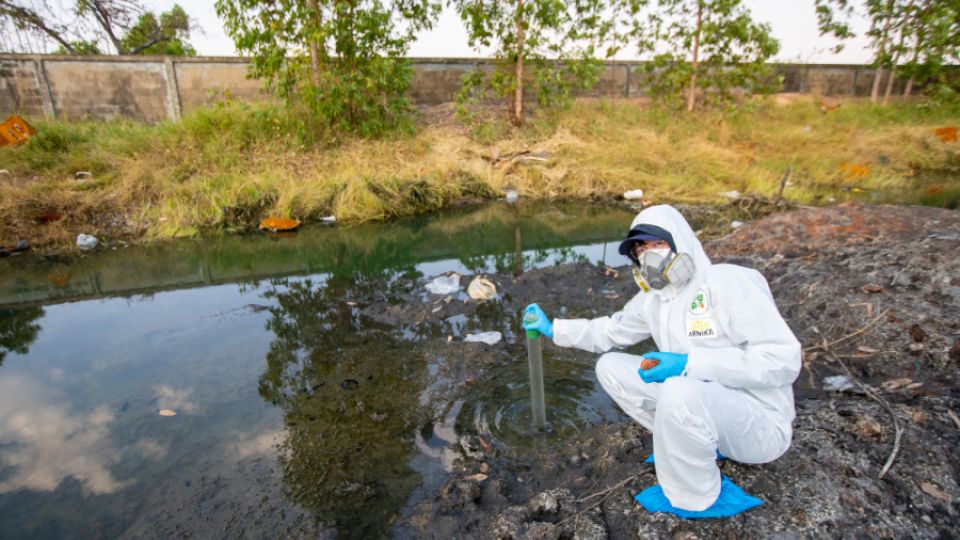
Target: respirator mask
658, 267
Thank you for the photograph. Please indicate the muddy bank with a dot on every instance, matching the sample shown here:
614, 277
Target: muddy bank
869, 289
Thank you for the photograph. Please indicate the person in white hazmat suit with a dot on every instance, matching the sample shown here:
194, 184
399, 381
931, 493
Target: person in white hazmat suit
722, 386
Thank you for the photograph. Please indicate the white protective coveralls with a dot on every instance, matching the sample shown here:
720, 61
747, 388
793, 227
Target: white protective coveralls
736, 393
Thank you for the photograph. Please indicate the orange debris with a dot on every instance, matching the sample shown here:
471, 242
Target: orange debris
15, 130
946, 134
275, 224
855, 171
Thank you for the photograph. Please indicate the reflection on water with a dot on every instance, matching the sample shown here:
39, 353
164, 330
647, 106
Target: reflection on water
296, 412
18, 329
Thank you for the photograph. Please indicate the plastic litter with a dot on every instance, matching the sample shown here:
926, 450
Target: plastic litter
633, 195
14, 131
276, 224
328, 219
82, 175
87, 241
444, 284
481, 289
167, 412
736, 224
490, 338
512, 196
22, 245
732, 195
837, 383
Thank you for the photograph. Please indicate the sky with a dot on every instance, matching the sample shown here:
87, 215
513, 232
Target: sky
793, 21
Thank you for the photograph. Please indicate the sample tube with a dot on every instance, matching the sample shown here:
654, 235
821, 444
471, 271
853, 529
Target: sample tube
535, 358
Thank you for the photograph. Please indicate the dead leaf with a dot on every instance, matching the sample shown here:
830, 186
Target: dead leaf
919, 417
349, 303
894, 384
484, 445
934, 490
915, 385
872, 288
868, 350
476, 478
869, 427
484, 468
167, 412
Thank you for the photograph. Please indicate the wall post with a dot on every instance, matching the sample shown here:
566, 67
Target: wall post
43, 87
174, 111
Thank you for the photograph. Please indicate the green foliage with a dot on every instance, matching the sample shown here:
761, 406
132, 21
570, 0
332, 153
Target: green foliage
342, 62
168, 35
921, 37
730, 49
554, 40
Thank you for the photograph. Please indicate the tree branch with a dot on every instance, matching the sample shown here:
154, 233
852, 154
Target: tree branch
23, 17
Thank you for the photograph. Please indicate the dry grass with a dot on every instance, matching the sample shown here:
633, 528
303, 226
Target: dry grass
227, 167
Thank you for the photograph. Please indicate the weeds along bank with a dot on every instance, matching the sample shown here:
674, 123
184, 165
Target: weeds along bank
226, 167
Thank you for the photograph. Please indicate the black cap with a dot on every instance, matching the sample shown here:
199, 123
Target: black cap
645, 232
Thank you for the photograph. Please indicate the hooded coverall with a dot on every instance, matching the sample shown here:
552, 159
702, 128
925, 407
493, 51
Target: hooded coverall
736, 393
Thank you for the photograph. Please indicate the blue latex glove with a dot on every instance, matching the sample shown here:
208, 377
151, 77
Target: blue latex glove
652, 459
542, 324
671, 365
731, 501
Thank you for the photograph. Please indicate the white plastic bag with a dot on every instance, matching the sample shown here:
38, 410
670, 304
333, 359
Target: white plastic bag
444, 284
490, 338
86, 241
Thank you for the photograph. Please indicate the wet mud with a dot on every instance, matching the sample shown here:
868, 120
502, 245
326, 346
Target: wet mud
872, 292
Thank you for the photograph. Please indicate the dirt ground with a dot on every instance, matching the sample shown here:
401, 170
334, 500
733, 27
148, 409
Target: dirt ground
872, 292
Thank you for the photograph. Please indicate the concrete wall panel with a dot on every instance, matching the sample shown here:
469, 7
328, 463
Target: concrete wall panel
208, 82
109, 90
20, 89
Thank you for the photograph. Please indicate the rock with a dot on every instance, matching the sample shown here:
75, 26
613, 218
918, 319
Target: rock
633, 195
87, 241
542, 531
457, 493
585, 529
544, 503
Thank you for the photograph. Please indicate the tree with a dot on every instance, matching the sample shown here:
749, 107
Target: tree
356, 75
557, 39
94, 26
926, 31
721, 51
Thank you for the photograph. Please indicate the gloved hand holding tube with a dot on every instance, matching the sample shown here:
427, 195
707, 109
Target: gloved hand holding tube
535, 319
659, 366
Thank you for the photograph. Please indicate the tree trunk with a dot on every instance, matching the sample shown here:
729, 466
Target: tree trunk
890, 79
878, 74
691, 96
896, 58
517, 109
314, 45
908, 88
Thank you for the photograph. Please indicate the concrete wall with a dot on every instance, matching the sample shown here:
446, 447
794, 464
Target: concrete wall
156, 88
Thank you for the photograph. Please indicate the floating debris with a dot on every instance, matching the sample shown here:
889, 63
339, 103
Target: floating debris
167, 412
87, 241
277, 224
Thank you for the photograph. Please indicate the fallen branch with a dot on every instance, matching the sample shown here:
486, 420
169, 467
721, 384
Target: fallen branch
605, 493
953, 416
898, 432
826, 346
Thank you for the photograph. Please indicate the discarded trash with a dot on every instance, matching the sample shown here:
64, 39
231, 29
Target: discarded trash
4, 171
82, 175
275, 224
837, 383
86, 241
328, 219
481, 289
49, 215
736, 224
854, 171
732, 195
167, 412
490, 338
15, 130
22, 245
444, 284
946, 134
512, 196
633, 195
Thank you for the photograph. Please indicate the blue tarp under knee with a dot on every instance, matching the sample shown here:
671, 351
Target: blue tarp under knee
731, 501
